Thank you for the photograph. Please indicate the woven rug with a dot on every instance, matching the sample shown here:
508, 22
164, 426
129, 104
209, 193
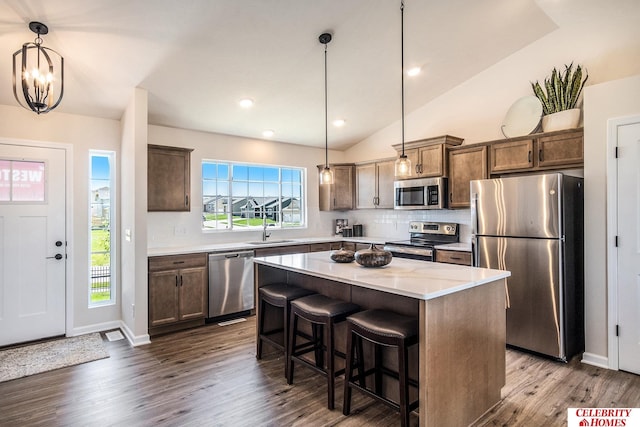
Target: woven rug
32, 359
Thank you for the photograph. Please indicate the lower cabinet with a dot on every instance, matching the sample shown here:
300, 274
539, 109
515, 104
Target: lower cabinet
178, 292
453, 257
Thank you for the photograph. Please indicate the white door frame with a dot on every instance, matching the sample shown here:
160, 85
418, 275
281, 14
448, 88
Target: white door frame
68, 162
612, 231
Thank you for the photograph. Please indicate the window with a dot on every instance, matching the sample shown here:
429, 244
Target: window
101, 193
244, 196
22, 181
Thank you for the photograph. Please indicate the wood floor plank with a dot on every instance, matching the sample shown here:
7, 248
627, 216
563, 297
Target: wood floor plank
209, 376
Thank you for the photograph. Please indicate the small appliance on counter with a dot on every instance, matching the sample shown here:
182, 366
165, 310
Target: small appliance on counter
357, 230
340, 224
347, 231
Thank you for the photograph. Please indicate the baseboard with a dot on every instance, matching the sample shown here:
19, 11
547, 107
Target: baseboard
98, 327
133, 339
595, 360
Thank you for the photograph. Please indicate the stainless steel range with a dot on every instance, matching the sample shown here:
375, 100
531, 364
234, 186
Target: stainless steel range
423, 237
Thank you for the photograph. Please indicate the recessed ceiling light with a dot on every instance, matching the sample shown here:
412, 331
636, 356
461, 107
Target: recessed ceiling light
339, 122
268, 133
246, 103
413, 71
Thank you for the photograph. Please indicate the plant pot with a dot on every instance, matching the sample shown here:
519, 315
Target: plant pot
566, 119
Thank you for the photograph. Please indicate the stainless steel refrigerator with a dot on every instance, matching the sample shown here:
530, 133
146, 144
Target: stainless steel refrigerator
533, 226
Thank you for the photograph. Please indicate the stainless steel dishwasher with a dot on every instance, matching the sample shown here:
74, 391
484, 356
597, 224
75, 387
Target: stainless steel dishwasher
230, 283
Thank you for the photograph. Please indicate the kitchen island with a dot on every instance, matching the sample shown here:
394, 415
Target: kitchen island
461, 310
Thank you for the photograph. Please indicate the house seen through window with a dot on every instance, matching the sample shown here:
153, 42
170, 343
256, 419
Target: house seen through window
101, 194
245, 196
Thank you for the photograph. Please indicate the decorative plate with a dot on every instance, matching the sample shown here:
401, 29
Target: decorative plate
523, 117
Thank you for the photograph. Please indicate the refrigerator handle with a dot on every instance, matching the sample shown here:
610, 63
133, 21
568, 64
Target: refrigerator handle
474, 229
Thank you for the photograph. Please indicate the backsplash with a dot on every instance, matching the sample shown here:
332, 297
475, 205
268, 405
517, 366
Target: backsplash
394, 224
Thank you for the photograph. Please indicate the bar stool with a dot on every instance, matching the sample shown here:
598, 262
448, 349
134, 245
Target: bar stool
382, 328
277, 295
323, 313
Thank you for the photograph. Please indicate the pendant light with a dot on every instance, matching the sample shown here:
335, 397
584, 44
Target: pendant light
35, 71
403, 164
326, 176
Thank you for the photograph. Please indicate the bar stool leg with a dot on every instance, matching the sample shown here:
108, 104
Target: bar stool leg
378, 364
292, 345
261, 306
348, 373
360, 360
403, 368
331, 376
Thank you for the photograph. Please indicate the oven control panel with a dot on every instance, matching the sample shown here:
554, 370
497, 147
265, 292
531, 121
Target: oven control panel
433, 228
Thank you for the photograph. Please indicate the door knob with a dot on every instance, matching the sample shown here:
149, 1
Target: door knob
56, 256
58, 243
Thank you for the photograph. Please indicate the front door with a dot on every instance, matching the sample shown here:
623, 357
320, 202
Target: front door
629, 247
32, 243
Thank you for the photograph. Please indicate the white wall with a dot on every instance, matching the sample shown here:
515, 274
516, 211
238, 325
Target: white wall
133, 236
83, 133
175, 229
613, 99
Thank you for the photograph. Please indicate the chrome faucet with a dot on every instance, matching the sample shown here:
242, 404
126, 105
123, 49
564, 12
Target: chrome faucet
265, 235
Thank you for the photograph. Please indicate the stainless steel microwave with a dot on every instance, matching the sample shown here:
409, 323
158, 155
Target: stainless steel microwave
420, 193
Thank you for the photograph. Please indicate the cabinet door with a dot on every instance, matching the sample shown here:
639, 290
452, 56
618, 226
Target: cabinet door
343, 187
465, 165
453, 257
163, 297
385, 177
565, 150
193, 293
366, 186
168, 179
319, 247
432, 161
512, 156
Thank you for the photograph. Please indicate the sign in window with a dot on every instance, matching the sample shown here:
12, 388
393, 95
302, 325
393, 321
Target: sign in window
22, 181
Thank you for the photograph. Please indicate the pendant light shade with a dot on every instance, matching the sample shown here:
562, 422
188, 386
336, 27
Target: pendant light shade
38, 74
403, 164
326, 176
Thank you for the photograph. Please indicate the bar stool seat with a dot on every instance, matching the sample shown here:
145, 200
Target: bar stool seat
277, 295
323, 313
383, 329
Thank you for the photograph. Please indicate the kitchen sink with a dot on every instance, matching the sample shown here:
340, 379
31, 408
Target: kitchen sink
266, 242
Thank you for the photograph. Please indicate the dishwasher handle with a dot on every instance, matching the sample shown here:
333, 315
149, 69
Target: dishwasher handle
230, 255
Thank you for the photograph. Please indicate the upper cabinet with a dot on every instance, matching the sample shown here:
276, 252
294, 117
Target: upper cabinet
429, 156
465, 164
168, 178
374, 188
553, 150
340, 195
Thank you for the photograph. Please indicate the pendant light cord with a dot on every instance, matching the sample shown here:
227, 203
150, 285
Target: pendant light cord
402, 66
326, 113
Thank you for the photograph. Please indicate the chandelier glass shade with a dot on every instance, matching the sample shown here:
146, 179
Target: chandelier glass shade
38, 74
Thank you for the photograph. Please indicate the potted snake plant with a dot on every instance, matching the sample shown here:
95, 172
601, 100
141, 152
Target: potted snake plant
559, 98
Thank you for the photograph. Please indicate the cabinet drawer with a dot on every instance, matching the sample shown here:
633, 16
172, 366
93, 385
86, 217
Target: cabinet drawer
453, 257
170, 262
319, 247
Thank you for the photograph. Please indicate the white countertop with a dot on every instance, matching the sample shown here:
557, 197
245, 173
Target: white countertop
238, 246
416, 279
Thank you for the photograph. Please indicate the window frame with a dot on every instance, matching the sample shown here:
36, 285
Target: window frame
111, 155
230, 196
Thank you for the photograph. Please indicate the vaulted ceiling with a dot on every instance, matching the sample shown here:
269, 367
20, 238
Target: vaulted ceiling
198, 58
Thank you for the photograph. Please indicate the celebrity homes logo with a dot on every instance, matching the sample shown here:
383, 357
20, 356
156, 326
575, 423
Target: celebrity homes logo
603, 417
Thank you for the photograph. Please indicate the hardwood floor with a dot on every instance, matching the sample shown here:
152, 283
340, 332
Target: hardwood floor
209, 376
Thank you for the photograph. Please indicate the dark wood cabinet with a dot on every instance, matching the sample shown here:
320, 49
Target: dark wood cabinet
429, 156
168, 178
554, 150
374, 188
453, 257
178, 289
340, 195
465, 164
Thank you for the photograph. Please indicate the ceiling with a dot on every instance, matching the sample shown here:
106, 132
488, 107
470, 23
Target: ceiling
198, 58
